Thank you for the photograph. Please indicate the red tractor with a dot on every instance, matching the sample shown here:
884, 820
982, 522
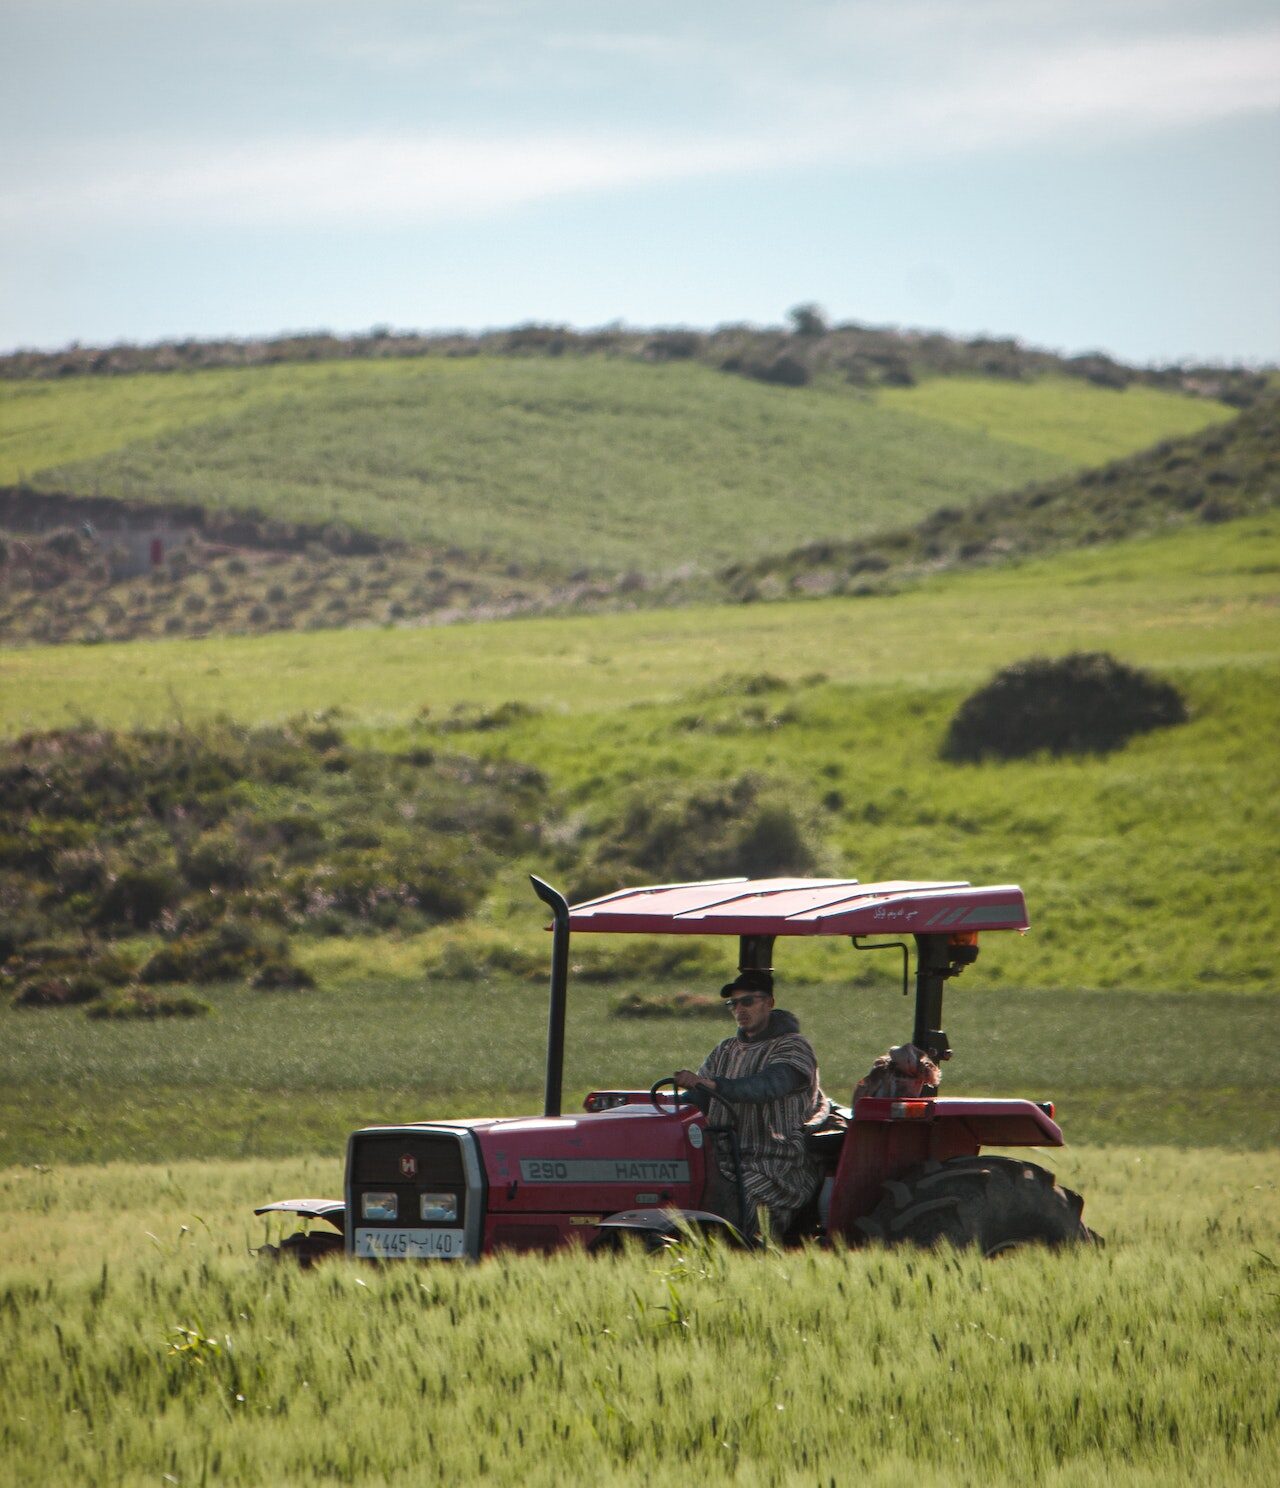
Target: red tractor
636, 1162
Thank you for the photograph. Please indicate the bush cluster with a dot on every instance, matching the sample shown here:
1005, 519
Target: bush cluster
667, 833
141, 1002
809, 338
67, 586
1084, 703
224, 841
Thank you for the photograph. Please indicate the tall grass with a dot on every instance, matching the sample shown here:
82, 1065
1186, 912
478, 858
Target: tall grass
602, 464
137, 1348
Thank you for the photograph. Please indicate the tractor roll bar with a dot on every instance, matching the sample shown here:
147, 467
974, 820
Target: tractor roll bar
559, 907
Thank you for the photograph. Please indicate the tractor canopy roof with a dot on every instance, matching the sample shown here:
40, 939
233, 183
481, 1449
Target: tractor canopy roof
804, 906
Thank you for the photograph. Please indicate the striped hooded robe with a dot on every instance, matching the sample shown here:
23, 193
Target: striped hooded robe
777, 1171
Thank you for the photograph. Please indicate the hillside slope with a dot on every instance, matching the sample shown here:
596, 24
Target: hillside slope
1229, 471
607, 465
235, 575
1137, 861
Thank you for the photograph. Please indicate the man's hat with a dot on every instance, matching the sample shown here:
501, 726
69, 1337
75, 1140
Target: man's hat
749, 981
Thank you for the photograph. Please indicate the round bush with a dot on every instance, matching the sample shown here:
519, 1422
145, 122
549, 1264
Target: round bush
218, 859
281, 974
1085, 703
137, 897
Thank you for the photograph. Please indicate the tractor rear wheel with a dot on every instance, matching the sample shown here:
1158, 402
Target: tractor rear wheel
992, 1203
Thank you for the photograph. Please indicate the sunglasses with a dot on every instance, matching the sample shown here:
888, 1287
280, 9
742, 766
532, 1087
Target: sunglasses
748, 1001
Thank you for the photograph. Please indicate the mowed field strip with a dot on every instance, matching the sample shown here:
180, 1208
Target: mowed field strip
1194, 599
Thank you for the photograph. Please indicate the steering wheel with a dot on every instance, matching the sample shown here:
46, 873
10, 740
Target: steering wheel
677, 1100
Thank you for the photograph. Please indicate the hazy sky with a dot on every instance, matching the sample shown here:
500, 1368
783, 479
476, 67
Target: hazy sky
1078, 173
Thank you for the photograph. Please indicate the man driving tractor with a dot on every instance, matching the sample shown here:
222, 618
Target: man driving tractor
763, 1083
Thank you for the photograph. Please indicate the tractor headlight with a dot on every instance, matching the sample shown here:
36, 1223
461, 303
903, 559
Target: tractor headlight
378, 1206
440, 1208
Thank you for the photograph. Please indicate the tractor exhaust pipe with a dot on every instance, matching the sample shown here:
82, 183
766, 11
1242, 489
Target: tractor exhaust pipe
938, 957
933, 967
559, 907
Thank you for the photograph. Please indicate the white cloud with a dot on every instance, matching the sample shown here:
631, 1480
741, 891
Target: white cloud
1009, 95
371, 178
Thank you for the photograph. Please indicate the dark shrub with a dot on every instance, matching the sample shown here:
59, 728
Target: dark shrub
138, 897
77, 869
281, 975
1085, 703
468, 719
66, 544
671, 346
783, 371
299, 831
219, 860
229, 952
658, 959
58, 991
670, 1005
807, 320
898, 374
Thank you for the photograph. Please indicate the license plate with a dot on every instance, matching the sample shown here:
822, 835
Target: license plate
445, 1245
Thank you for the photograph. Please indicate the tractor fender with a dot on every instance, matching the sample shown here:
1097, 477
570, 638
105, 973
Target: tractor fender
666, 1225
332, 1210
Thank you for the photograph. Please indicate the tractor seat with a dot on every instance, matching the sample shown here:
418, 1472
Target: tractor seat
825, 1141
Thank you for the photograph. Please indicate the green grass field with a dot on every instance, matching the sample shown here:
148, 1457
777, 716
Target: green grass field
1148, 872
1195, 599
143, 1345
603, 464
1055, 415
46, 424
293, 1073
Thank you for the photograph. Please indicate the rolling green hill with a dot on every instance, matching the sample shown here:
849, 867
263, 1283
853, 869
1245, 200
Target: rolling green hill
1227, 471
864, 689
583, 463
63, 585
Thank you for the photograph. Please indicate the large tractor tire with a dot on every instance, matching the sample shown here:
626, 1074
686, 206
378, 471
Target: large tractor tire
992, 1203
